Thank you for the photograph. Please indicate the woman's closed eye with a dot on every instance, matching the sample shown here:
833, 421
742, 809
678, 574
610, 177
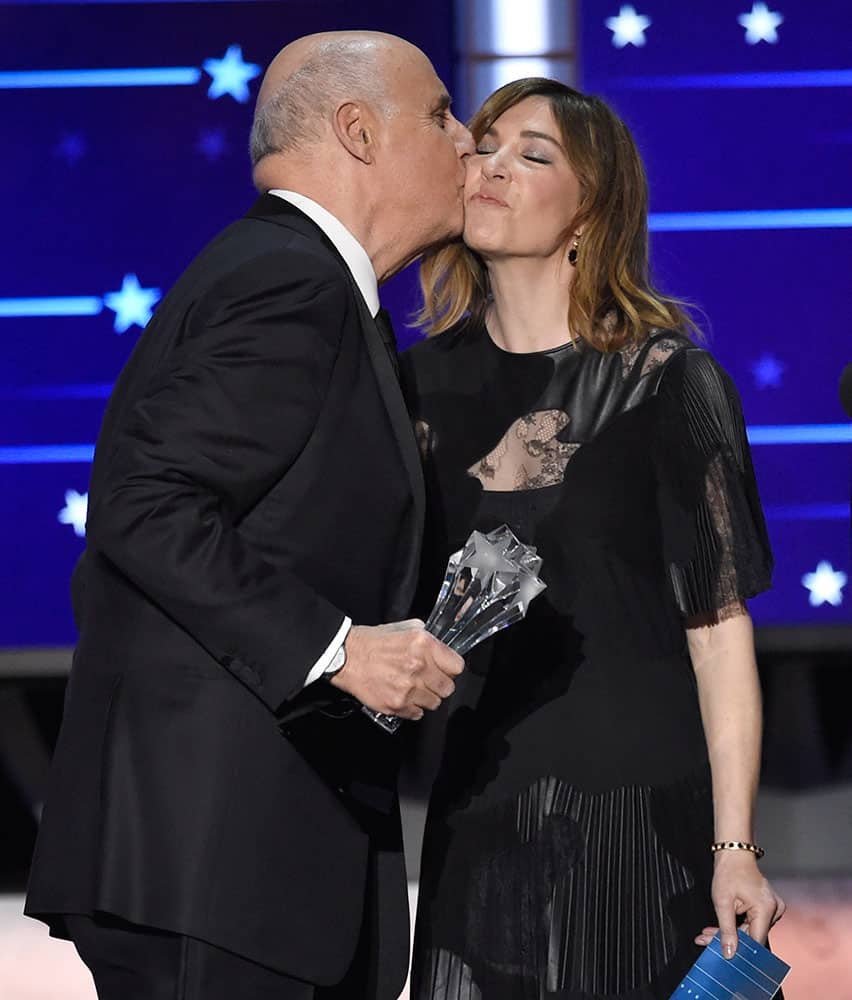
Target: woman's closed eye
531, 157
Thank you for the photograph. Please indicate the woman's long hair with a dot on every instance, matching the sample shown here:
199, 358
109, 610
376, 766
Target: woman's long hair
612, 302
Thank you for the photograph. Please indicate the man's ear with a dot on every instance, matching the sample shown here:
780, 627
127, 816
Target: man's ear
355, 130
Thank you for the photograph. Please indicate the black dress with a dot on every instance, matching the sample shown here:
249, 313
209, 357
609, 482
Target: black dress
567, 846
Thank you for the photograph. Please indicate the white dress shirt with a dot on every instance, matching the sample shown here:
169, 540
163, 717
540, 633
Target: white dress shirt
361, 268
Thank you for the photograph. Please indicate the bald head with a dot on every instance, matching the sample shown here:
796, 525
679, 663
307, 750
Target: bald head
312, 76
360, 123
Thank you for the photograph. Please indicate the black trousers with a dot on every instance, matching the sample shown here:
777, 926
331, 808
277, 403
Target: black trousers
129, 962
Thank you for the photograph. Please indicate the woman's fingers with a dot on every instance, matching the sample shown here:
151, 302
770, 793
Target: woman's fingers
706, 936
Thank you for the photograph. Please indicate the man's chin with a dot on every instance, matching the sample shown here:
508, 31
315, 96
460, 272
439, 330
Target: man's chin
456, 228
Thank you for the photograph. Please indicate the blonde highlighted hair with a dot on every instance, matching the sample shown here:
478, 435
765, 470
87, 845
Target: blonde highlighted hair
612, 302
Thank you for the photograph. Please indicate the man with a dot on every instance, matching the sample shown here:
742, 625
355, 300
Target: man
222, 821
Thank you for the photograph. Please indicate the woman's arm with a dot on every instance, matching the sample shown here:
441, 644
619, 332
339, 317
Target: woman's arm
729, 696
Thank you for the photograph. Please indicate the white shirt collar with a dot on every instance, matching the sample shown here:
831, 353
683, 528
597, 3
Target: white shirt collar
355, 256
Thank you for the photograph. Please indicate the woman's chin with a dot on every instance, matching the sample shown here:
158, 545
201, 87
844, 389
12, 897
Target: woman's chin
479, 241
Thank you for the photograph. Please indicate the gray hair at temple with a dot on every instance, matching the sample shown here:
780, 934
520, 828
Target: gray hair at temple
294, 116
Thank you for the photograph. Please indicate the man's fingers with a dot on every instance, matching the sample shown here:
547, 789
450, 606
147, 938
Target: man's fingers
405, 710
405, 626
438, 683
424, 698
446, 660
398, 668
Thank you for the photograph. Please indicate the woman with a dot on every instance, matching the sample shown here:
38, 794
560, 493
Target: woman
587, 768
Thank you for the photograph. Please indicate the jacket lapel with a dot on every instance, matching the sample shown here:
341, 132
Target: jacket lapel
391, 392
405, 582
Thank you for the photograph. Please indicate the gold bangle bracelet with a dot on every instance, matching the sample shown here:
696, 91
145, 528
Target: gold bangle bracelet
738, 845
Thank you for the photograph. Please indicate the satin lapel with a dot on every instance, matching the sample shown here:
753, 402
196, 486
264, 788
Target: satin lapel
391, 393
275, 209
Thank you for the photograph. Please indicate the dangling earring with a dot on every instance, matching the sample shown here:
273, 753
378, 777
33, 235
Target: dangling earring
572, 253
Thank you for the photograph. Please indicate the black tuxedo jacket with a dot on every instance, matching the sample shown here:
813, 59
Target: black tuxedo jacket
255, 479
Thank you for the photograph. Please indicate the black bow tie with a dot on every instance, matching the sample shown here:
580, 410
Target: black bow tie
385, 328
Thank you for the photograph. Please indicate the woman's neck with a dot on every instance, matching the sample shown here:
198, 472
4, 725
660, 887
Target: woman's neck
529, 308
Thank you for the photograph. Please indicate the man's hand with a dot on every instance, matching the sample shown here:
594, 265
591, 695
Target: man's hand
398, 669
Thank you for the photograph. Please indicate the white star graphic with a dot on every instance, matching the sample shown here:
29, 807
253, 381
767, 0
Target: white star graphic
74, 511
768, 372
825, 584
628, 28
761, 24
132, 304
230, 75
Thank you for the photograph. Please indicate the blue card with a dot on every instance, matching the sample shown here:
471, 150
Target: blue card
752, 974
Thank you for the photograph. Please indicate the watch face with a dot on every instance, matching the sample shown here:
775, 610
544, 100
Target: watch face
337, 663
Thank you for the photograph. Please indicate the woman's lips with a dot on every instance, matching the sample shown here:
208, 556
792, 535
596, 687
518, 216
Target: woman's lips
489, 199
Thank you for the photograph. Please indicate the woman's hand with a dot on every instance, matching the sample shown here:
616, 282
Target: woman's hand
740, 888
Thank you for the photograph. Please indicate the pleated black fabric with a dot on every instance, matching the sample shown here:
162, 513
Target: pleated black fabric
567, 846
721, 554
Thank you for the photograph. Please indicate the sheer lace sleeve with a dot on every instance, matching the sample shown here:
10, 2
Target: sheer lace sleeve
715, 543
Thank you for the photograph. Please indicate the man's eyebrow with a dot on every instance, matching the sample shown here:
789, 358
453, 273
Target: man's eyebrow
443, 102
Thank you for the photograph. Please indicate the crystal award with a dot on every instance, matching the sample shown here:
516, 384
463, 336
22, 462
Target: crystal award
488, 585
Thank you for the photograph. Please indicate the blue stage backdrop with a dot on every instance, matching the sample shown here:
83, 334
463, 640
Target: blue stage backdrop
125, 133
125, 130
742, 113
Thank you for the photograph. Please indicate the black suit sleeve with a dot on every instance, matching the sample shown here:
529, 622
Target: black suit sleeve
228, 412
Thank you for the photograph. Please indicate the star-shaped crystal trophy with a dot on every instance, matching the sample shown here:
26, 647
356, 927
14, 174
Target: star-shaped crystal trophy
488, 585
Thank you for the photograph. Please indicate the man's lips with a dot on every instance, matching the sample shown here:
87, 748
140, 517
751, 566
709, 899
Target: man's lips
489, 199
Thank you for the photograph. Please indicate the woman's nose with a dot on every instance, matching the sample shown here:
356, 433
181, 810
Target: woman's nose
493, 166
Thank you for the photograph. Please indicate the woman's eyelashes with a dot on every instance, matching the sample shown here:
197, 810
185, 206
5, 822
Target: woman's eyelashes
531, 157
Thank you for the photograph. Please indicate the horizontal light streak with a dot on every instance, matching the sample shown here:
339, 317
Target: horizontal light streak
85, 390
739, 81
68, 305
807, 512
159, 76
759, 435
89, 3
46, 454
781, 218
800, 434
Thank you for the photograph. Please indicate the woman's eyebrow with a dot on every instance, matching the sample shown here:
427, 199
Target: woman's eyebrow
525, 134
529, 134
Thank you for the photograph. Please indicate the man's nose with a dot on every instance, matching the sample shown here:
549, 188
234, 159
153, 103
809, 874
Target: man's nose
464, 140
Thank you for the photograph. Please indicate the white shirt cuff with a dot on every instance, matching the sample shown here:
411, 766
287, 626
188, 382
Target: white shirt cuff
334, 656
